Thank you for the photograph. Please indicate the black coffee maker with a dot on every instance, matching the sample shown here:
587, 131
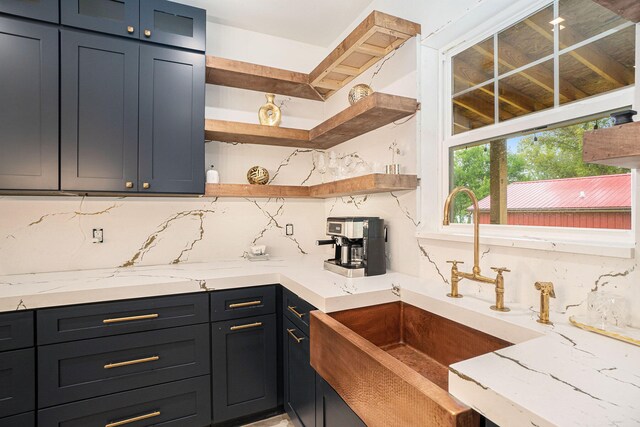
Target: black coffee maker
359, 246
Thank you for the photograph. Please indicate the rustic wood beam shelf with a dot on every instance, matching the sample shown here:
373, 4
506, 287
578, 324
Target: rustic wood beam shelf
615, 146
244, 75
366, 184
372, 112
368, 43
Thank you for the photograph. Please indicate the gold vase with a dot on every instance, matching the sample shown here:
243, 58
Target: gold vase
270, 114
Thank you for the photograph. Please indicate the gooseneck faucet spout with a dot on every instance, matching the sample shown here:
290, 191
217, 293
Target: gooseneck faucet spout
457, 275
476, 222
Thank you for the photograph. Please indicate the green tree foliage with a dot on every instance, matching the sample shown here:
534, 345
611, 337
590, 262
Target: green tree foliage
555, 154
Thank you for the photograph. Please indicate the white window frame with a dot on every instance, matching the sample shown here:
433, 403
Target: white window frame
605, 242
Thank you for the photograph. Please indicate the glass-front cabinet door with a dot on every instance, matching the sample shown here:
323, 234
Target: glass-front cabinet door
118, 17
173, 24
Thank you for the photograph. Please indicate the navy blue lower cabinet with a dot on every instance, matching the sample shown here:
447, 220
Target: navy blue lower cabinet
299, 377
16, 330
83, 369
17, 382
23, 420
171, 127
245, 362
28, 103
331, 409
185, 403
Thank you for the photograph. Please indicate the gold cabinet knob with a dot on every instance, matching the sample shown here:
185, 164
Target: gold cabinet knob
147, 33
130, 29
146, 185
129, 184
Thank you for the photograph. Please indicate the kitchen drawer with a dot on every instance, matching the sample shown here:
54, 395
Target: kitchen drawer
23, 420
120, 317
16, 330
118, 17
43, 10
17, 382
173, 24
297, 310
90, 368
239, 303
185, 403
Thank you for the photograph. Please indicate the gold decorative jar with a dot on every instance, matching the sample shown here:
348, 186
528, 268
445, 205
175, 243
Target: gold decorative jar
270, 114
358, 92
258, 175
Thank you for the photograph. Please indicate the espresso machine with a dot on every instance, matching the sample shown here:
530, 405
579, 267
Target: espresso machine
359, 246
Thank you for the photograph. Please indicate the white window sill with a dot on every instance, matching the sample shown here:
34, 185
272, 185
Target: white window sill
615, 250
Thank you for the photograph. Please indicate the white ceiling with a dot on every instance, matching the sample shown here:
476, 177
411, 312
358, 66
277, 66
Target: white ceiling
309, 21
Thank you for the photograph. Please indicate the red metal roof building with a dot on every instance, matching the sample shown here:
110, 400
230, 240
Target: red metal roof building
587, 202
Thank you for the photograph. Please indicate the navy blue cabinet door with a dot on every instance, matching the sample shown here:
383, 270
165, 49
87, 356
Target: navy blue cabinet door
17, 382
331, 410
245, 361
43, 10
119, 17
28, 105
299, 377
173, 24
99, 126
171, 121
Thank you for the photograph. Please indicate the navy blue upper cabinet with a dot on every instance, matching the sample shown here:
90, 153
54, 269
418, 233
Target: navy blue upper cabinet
173, 24
43, 10
171, 124
119, 17
99, 126
28, 104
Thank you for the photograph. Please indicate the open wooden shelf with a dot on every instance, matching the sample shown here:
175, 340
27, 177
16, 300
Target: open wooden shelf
372, 112
615, 146
368, 43
244, 75
366, 184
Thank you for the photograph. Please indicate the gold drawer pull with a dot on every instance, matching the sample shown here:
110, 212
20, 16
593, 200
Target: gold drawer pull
245, 304
293, 310
130, 318
247, 326
131, 362
298, 340
134, 419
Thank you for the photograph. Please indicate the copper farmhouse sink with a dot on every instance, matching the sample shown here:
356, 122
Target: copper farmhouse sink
389, 362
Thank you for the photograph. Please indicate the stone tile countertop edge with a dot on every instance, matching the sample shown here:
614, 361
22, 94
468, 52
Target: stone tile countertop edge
553, 375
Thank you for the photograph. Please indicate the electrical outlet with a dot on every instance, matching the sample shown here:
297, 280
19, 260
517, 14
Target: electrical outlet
289, 229
98, 235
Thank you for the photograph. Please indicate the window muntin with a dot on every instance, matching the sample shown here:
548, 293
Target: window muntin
593, 53
540, 163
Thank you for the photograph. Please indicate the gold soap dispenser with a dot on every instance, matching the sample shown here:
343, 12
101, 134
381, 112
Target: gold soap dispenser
546, 291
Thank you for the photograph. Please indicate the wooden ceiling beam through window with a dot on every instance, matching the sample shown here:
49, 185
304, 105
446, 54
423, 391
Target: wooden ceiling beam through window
537, 75
471, 76
628, 9
591, 56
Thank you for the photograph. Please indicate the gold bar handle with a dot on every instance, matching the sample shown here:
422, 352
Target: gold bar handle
294, 311
247, 326
298, 340
131, 362
245, 304
133, 420
130, 318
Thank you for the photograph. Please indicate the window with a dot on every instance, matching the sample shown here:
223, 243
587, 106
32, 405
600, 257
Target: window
565, 52
538, 178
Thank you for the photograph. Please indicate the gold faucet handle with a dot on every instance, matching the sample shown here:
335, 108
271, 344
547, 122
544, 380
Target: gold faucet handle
546, 288
455, 262
501, 270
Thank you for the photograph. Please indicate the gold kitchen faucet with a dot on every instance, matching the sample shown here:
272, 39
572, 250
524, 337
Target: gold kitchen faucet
457, 275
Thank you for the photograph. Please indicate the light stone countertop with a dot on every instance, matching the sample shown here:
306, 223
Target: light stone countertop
553, 375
